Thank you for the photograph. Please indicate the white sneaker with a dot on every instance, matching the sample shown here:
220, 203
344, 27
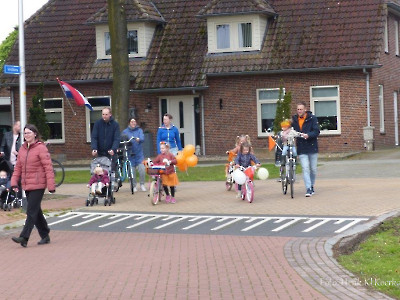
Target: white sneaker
135, 189
143, 188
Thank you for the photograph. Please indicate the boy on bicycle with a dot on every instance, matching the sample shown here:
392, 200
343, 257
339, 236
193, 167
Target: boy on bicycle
245, 158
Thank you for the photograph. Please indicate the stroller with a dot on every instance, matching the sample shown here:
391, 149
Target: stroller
8, 198
107, 193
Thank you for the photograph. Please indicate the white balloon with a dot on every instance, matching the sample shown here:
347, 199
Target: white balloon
262, 173
239, 176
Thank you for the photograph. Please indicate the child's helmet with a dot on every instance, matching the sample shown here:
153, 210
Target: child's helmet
286, 123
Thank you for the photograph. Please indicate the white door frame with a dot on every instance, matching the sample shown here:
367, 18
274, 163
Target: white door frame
189, 117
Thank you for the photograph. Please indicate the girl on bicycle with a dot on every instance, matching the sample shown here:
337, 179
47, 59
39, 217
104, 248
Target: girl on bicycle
240, 139
287, 131
169, 178
244, 159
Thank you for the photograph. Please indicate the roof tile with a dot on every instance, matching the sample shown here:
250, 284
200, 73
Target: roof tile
308, 34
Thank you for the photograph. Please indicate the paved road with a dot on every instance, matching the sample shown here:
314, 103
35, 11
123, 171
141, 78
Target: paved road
132, 265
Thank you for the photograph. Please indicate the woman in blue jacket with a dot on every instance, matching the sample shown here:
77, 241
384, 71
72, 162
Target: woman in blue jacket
136, 155
170, 134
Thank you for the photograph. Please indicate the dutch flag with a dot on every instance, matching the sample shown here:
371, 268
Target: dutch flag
73, 93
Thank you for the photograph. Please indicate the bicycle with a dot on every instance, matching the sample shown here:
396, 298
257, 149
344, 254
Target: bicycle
230, 167
59, 172
156, 189
288, 169
247, 191
58, 169
124, 166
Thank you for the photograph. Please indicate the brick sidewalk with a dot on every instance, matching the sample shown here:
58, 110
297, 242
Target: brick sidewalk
93, 265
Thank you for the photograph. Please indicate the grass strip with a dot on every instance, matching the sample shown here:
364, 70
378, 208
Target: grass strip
376, 262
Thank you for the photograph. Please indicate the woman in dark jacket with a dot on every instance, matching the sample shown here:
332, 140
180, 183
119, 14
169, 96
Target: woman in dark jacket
35, 170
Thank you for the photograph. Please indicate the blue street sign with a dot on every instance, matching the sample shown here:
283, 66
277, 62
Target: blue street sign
9, 69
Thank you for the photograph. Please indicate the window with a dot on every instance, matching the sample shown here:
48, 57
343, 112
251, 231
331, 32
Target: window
223, 37
325, 106
381, 111
53, 108
97, 103
245, 35
266, 110
234, 36
132, 42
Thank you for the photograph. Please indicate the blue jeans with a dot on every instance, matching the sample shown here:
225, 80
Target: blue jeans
286, 149
309, 165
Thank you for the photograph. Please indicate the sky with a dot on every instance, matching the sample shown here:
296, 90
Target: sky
9, 14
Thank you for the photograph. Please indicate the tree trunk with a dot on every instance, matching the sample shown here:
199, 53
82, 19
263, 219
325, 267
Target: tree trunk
120, 60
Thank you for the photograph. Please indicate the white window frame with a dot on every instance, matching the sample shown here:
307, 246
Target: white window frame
396, 36
144, 36
331, 98
57, 110
381, 110
260, 131
386, 37
88, 112
234, 36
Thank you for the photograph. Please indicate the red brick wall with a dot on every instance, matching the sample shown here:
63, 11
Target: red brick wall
239, 113
388, 76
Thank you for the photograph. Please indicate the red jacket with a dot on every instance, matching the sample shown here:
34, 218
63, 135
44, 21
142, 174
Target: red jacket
159, 161
34, 168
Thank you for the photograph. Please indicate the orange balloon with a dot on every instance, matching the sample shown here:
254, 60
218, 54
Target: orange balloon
192, 160
180, 158
182, 167
188, 150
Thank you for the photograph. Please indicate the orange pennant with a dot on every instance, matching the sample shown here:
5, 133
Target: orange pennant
271, 143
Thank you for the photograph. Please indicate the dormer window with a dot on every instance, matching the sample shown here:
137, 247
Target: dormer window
243, 34
132, 42
236, 33
139, 38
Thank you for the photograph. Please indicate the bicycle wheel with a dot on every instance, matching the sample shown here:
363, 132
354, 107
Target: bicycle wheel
154, 192
243, 192
121, 171
228, 184
129, 174
249, 191
283, 180
291, 179
59, 172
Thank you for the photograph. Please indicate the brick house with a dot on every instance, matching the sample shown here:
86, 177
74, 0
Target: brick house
217, 65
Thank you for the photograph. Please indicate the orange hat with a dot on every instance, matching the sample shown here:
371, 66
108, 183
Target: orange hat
285, 123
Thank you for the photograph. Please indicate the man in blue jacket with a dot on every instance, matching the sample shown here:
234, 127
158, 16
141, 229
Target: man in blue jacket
307, 145
105, 135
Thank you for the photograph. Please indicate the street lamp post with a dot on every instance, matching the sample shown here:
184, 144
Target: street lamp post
22, 83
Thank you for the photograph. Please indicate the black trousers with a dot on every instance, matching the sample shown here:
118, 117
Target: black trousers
35, 215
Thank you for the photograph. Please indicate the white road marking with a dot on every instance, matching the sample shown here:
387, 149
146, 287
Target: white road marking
198, 220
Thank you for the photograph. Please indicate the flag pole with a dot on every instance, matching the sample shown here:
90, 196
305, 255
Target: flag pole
66, 97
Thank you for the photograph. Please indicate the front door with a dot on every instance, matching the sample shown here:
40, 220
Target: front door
182, 110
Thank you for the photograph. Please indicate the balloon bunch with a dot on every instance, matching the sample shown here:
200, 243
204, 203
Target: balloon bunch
186, 158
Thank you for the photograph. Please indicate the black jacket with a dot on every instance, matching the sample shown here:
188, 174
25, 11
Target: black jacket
105, 136
310, 127
6, 144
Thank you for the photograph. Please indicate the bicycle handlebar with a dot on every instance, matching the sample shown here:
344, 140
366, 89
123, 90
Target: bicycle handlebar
126, 142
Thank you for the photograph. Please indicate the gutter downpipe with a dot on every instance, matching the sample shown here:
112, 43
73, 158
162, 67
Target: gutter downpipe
368, 100
203, 137
368, 130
